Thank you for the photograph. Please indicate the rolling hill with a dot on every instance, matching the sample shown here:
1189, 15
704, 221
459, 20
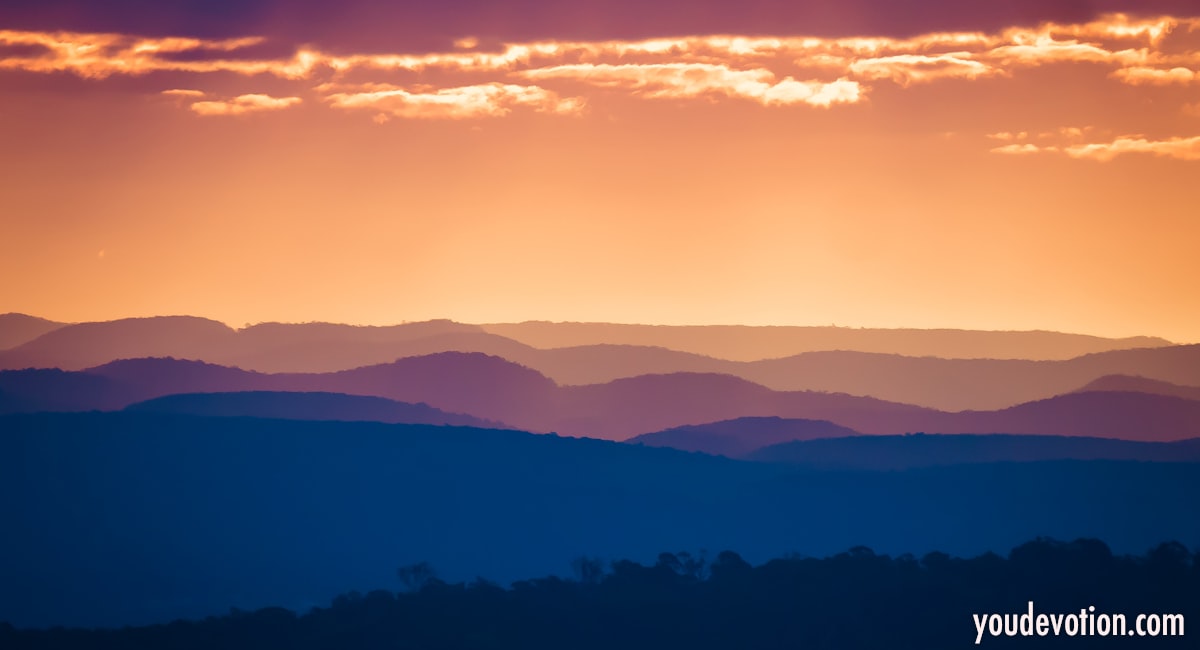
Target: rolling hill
738, 437
306, 406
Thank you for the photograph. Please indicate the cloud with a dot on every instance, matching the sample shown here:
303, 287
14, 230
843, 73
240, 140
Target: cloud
476, 77
1018, 149
183, 92
1156, 76
908, 68
688, 80
1179, 148
1008, 136
1121, 26
1033, 49
252, 103
966, 54
99, 56
482, 100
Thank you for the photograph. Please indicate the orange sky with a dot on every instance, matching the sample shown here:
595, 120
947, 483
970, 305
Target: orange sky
1035, 177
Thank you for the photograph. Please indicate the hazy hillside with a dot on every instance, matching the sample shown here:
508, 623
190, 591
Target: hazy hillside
749, 343
1128, 384
145, 517
961, 384
273, 346
16, 329
163, 376
305, 406
26, 391
628, 407
1133, 416
946, 384
738, 437
83, 345
491, 388
347, 353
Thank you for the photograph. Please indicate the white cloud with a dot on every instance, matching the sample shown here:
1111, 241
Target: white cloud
483, 100
1179, 148
1143, 75
908, 68
252, 103
1020, 149
687, 80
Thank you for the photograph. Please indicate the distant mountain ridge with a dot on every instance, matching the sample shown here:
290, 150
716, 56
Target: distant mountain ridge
944, 384
750, 343
278, 347
494, 389
16, 329
84, 345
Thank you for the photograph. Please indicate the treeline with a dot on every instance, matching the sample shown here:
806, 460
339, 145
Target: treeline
855, 599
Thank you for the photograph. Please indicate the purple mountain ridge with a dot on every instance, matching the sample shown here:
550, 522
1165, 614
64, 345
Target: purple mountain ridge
943, 384
738, 437
306, 406
491, 388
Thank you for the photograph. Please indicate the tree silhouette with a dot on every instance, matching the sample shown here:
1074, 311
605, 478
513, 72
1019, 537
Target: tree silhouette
414, 577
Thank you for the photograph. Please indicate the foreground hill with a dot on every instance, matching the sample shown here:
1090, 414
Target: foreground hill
136, 517
493, 389
854, 600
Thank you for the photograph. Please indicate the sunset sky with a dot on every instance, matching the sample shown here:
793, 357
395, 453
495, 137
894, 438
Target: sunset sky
1021, 165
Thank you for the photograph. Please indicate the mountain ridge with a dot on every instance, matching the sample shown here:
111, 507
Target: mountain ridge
307, 406
494, 389
944, 384
75, 345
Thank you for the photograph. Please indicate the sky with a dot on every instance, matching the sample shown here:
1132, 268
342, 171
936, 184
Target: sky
1023, 165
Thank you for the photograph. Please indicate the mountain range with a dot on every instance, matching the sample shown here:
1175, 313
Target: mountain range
948, 384
498, 391
167, 467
